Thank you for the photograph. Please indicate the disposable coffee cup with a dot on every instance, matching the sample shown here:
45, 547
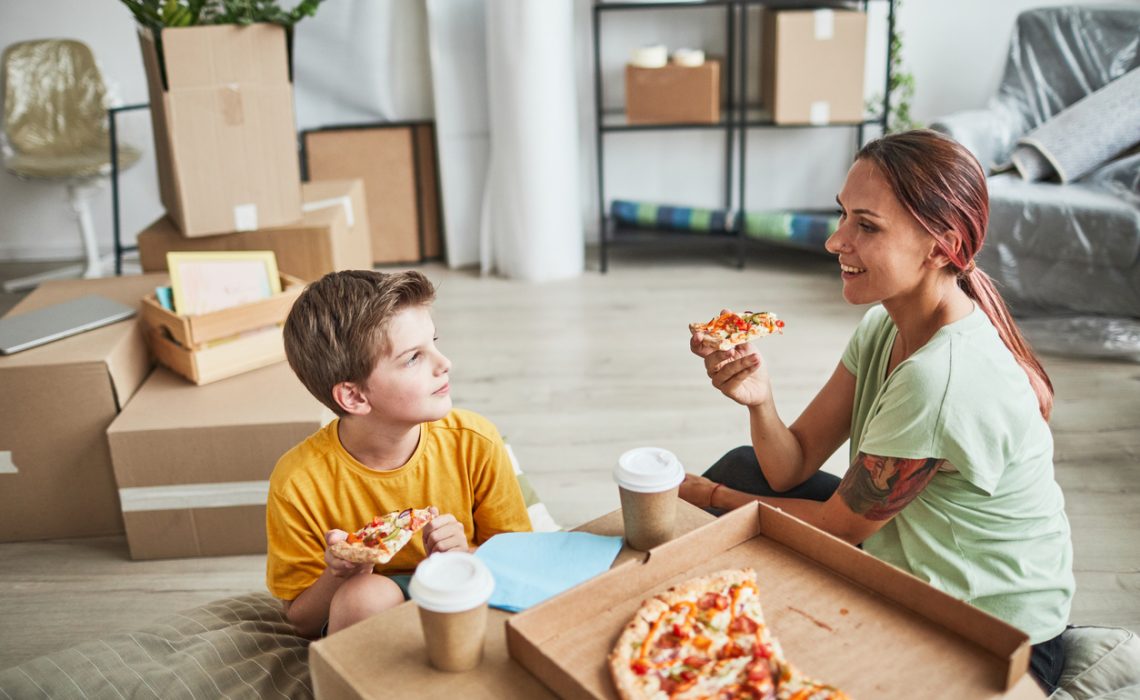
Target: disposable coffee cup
648, 479
451, 590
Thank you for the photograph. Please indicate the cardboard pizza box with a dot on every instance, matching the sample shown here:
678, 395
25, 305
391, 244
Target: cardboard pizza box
58, 399
192, 463
350, 665
332, 234
841, 616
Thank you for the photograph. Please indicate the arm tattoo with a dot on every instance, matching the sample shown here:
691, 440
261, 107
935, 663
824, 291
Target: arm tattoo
879, 487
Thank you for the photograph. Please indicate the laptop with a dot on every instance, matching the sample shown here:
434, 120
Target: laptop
28, 330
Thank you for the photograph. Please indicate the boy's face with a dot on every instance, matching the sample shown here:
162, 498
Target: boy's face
409, 384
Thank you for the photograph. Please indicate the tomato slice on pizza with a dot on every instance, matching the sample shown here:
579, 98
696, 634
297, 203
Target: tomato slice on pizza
730, 329
378, 541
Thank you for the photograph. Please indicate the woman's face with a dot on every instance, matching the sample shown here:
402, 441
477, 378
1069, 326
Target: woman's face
884, 254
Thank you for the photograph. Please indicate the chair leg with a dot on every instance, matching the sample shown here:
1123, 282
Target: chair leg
80, 199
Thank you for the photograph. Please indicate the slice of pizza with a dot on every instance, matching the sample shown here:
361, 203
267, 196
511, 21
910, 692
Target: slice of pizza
730, 329
706, 638
378, 541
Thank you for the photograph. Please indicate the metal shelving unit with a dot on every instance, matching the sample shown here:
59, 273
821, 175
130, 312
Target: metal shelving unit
736, 120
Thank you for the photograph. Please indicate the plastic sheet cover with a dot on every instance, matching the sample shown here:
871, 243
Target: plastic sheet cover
54, 110
1066, 258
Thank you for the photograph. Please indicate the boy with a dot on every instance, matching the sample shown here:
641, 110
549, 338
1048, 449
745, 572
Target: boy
363, 343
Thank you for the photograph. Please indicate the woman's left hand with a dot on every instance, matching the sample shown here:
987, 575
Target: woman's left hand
697, 490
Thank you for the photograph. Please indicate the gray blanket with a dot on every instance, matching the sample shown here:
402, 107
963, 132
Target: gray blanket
232, 648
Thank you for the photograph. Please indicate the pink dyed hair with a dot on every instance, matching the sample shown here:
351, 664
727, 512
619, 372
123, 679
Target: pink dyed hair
943, 187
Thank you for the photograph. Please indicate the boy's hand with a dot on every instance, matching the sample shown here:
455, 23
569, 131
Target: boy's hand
341, 568
443, 534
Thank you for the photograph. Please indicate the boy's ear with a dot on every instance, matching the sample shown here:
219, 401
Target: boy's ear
350, 398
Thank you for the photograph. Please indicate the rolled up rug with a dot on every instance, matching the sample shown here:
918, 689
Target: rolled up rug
1084, 135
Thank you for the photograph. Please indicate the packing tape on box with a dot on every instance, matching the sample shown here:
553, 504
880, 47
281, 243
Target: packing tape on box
183, 496
690, 58
7, 466
820, 114
344, 200
824, 25
245, 217
655, 56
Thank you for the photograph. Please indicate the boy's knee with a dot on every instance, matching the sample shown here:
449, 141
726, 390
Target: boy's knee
361, 597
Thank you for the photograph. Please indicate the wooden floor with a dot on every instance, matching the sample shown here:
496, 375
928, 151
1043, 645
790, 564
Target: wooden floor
575, 372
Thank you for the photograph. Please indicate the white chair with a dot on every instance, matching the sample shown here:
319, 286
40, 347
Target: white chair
55, 129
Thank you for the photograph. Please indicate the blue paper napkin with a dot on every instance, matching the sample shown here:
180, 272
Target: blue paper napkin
530, 567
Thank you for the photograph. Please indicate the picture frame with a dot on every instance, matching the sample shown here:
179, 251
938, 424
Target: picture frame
202, 282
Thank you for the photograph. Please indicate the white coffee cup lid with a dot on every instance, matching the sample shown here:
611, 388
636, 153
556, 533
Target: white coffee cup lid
648, 470
451, 582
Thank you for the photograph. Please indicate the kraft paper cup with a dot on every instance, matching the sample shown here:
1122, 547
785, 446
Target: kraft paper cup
451, 590
648, 479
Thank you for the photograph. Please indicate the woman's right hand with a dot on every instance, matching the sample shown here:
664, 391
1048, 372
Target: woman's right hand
739, 372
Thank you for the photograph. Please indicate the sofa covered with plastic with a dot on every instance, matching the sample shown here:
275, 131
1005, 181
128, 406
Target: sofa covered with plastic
1066, 256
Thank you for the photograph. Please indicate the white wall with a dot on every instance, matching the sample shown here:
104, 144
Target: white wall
955, 50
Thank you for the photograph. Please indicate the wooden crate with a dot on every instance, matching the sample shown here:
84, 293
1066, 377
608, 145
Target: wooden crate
220, 344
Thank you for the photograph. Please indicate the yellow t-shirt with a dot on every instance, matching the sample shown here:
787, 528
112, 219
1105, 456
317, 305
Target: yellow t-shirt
460, 466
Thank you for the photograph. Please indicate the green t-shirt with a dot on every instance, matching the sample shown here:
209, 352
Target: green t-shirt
991, 528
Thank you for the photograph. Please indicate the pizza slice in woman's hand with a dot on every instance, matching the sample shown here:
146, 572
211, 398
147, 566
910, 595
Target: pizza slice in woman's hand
730, 329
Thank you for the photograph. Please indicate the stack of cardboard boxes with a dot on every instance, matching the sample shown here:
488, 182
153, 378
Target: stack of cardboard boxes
88, 441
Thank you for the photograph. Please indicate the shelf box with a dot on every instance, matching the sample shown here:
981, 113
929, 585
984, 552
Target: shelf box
811, 68
224, 343
673, 94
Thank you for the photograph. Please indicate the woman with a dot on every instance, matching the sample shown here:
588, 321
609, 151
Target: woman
945, 404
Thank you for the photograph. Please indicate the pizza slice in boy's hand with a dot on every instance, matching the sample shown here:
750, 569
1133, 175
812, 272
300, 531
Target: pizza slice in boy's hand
378, 541
730, 329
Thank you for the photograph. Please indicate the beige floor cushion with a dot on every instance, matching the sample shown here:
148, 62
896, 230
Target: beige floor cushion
1100, 662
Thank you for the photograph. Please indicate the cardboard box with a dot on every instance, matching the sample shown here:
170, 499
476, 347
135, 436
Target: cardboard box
58, 399
673, 94
192, 463
350, 665
811, 69
398, 165
224, 343
332, 235
827, 602
221, 103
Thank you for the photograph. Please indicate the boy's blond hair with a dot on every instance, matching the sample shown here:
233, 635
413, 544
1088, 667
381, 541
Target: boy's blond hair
337, 329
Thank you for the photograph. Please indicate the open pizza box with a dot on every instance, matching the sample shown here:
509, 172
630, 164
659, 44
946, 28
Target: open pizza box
842, 616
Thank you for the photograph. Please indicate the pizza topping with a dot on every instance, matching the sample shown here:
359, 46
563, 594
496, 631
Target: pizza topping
743, 624
713, 600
